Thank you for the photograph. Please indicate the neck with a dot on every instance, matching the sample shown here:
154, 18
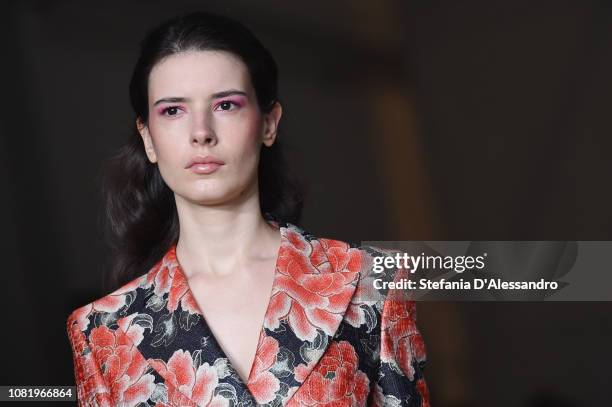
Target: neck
221, 240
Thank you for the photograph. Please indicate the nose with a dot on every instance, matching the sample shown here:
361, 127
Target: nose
202, 131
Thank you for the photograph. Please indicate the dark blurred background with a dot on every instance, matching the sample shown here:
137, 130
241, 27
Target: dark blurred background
438, 120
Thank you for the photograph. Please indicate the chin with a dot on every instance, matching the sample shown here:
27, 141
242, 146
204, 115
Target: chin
212, 196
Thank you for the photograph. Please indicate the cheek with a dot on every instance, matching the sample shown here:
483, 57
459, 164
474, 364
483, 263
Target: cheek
249, 151
165, 139
165, 149
248, 140
255, 128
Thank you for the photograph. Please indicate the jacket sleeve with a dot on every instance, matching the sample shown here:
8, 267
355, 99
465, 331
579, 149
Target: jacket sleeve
92, 389
402, 358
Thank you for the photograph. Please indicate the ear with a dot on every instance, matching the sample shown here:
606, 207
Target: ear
143, 129
270, 125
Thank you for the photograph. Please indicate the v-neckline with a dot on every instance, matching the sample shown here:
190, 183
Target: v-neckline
305, 309
262, 332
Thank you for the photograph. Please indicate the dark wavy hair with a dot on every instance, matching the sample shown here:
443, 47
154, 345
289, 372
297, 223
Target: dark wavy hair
141, 216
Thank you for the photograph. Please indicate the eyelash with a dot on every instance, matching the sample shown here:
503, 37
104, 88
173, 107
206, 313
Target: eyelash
227, 101
165, 110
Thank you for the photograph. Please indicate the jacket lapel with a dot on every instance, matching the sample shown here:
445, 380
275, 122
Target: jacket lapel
314, 282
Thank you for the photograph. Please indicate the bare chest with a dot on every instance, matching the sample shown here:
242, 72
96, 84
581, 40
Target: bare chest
234, 308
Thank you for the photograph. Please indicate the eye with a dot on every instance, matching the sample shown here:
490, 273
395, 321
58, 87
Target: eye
226, 105
171, 111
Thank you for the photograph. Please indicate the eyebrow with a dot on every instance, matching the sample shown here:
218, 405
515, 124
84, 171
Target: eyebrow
217, 95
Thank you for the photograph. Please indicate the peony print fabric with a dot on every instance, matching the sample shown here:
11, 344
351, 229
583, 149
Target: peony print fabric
323, 342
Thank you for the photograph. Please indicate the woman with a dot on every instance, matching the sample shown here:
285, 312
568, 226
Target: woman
223, 299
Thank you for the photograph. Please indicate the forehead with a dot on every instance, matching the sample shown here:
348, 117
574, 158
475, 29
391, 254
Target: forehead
198, 72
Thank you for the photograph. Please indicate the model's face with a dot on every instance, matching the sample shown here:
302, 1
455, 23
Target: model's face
202, 103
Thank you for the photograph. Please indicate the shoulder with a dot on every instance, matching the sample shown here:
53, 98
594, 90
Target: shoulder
108, 309
328, 253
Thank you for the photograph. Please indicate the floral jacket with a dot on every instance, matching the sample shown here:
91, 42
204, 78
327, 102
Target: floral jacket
327, 339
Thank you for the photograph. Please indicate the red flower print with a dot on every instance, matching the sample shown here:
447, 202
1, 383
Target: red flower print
168, 277
401, 342
180, 293
186, 384
312, 290
362, 303
110, 303
335, 380
366, 296
123, 367
262, 383
81, 316
148, 342
423, 391
159, 276
91, 388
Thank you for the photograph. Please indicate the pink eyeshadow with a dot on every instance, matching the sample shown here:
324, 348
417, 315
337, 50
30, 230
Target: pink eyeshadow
240, 101
161, 109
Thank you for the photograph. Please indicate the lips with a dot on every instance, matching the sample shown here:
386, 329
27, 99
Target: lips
209, 159
204, 168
